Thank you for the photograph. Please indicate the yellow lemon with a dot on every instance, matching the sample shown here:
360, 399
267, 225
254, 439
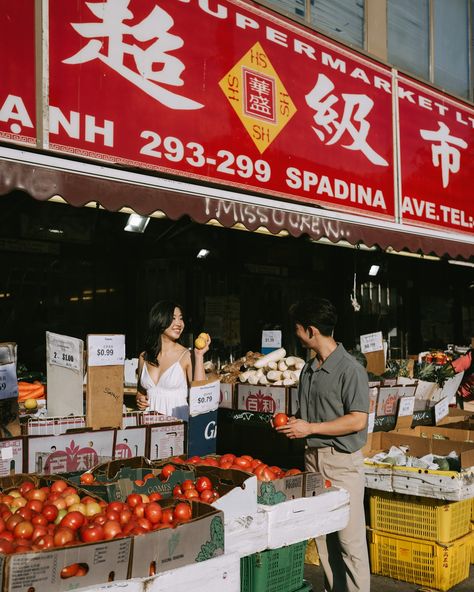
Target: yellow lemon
204, 336
31, 404
200, 343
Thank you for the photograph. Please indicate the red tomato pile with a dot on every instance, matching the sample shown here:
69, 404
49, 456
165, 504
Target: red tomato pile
245, 463
35, 518
200, 490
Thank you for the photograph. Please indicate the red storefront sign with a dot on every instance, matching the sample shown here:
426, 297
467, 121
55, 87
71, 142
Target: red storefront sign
17, 72
222, 92
437, 164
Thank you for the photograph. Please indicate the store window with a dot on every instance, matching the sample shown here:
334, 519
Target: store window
408, 31
295, 7
343, 19
451, 45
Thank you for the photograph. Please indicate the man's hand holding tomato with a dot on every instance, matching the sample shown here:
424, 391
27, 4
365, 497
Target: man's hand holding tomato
296, 428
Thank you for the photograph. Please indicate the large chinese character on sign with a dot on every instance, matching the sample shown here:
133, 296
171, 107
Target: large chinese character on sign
437, 168
151, 47
350, 122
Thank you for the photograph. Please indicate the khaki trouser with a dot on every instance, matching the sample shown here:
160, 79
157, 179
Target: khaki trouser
343, 554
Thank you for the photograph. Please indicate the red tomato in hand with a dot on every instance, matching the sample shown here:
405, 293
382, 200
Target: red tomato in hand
280, 419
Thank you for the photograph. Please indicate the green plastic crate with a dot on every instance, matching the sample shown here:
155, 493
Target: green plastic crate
274, 570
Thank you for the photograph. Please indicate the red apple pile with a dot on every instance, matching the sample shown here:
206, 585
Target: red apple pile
34, 518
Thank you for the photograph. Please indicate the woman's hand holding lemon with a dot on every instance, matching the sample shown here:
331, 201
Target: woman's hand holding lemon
202, 343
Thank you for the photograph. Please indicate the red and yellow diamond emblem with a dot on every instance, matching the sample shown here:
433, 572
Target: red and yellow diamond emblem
258, 96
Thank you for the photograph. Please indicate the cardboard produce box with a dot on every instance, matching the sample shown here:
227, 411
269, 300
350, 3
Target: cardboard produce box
448, 432
68, 453
237, 491
305, 518
199, 539
221, 574
448, 485
117, 479
267, 399
303, 484
11, 456
226, 399
41, 570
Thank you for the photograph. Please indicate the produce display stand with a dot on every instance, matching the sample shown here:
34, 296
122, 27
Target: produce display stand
421, 525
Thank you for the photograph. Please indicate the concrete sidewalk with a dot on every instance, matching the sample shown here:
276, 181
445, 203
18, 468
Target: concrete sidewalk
313, 574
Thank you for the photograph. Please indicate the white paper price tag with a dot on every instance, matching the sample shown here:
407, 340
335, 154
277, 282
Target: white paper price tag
371, 422
204, 398
105, 350
371, 342
64, 351
8, 381
271, 339
406, 406
441, 410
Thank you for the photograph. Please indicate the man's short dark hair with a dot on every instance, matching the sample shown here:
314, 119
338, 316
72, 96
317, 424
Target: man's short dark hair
315, 312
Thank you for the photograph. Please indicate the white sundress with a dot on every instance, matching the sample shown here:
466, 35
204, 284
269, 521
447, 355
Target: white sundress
169, 395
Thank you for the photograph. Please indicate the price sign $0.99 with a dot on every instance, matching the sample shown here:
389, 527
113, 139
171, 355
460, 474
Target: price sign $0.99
106, 350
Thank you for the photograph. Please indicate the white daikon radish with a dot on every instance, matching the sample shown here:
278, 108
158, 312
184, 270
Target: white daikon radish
272, 366
244, 376
274, 375
263, 380
259, 373
290, 361
296, 374
274, 356
299, 365
289, 382
253, 378
282, 366
277, 383
287, 374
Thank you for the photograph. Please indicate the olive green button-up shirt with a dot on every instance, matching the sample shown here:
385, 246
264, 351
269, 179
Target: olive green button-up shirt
333, 389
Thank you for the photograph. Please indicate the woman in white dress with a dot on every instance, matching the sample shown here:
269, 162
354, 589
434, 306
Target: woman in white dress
164, 368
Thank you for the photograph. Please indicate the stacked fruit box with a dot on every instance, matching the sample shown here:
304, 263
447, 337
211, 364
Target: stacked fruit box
420, 540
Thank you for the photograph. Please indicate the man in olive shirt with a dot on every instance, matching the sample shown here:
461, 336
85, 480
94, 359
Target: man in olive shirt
333, 397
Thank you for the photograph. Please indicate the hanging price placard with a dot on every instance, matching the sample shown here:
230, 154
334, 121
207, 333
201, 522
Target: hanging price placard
105, 350
204, 398
8, 381
64, 351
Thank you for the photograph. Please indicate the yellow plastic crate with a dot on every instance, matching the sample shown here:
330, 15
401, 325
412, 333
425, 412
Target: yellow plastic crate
472, 542
472, 510
418, 561
420, 517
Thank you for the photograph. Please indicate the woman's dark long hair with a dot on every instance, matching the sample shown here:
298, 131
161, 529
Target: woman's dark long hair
159, 319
